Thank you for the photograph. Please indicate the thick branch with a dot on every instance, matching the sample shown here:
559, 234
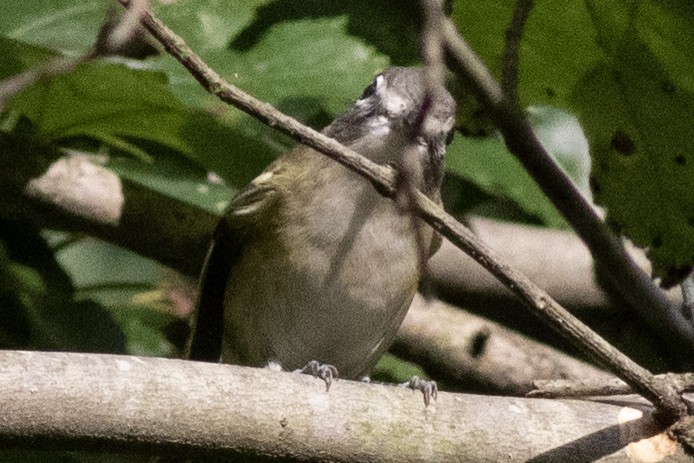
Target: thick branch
118, 403
469, 351
556, 260
75, 192
661, 394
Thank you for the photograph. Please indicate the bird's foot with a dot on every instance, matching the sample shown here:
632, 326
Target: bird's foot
320, 370
428, 388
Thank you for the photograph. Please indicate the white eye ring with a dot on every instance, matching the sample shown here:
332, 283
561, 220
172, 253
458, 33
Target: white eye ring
373, 88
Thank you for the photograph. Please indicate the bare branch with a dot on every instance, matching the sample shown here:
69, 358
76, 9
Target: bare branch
687, 288
128, 26
432, 45
473, 353
556, 260
542, 305
382, 178
75, 192
567, 388
510, 64
152, 405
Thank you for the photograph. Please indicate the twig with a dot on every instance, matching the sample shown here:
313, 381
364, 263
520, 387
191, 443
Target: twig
566, 388
432, 52
382, 177
661, 394
514, 33
433, 46
128, 26
607, 250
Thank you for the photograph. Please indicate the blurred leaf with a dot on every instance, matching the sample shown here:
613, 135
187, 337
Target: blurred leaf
305, 65
489, 165
119, 105
146, 329
637, 113
18, 56
15, 326
123, 282
391, 369
98, 99
67, 26
44, 294
176, 177
393, 28
94, 263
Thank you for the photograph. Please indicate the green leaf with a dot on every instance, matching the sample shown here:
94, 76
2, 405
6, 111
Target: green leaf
103, 101
392, 369
40, 295
130, 287
146, 329
178, 178
637, 113
309, 67
118, 105
488, 164
17, 57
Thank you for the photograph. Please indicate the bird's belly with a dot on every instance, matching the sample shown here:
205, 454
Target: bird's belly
338, 298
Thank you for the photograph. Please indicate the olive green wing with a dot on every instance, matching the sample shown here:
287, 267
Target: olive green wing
231, 235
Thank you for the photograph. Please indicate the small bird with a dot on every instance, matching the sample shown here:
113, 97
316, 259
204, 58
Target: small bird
309, 263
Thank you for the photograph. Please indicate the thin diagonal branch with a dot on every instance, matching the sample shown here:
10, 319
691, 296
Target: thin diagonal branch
433, 46
383, 179
514, 33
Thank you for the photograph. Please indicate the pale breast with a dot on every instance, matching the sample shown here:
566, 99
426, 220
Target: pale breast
334, 289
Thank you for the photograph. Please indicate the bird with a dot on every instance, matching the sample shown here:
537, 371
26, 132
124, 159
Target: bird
310, 268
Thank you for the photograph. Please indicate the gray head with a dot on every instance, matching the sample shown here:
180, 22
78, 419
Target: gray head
389, 115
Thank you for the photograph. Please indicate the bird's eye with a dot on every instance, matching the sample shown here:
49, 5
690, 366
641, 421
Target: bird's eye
371, 89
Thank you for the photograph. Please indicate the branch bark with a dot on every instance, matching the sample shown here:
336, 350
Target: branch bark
683, 382
468, 351
76, 192
556, 260
150, 405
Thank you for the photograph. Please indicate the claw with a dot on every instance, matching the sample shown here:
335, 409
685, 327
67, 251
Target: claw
318, 370
428, 388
